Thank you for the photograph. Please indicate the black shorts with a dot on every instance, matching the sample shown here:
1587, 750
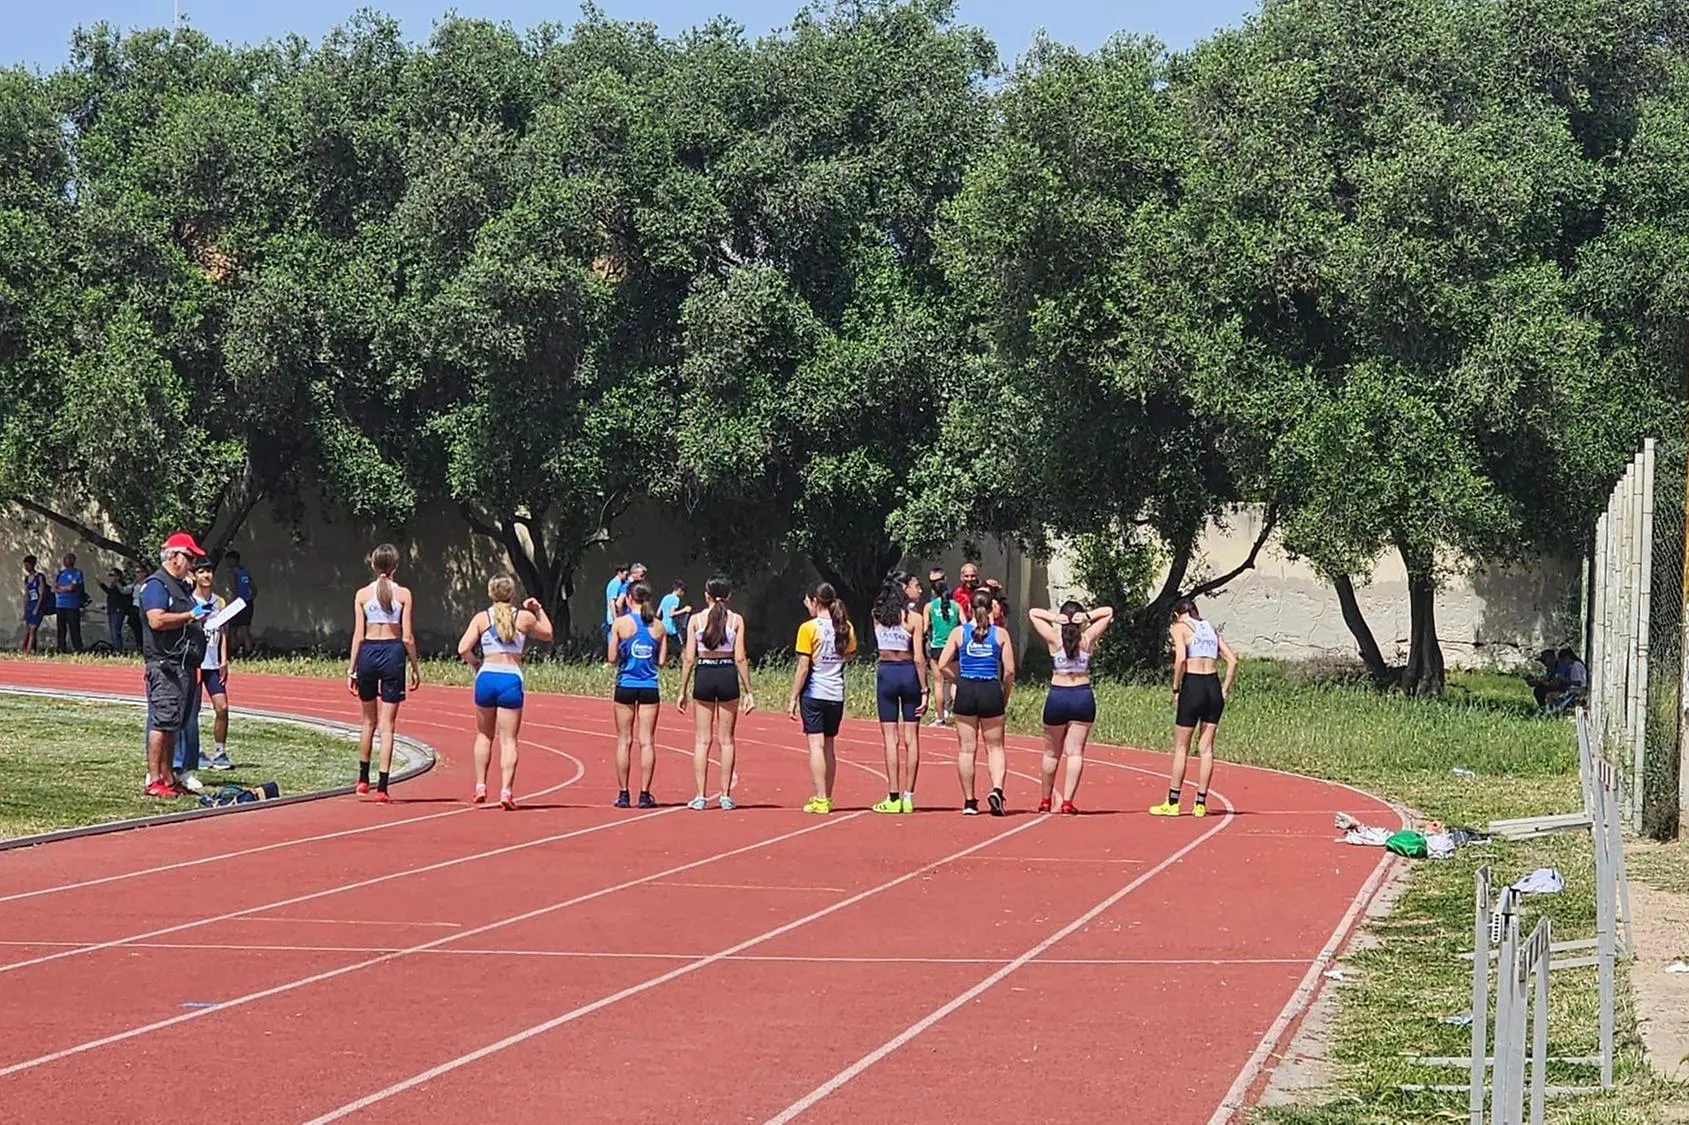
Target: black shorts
715, 681
979, 699
1200, 700
821, 716
1074, 703
170, 689
243, 619
897, 687
381, 671
641, 696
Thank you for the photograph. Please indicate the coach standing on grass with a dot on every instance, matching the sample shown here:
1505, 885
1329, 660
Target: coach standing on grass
172, 644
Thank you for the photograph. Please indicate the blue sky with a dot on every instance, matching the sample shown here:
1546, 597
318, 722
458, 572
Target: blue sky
37, 31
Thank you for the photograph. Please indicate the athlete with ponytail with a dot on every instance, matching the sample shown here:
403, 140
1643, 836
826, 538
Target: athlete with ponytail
502, 631
714, 668
1199, 698
943, 613
383, 643
825, 642
900, 683
639, 645
1071, 706
984, 659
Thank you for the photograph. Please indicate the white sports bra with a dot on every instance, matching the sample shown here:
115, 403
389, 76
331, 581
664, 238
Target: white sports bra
1204, 643
892, 638
491, 642
375, 615
1064, 665
728, 638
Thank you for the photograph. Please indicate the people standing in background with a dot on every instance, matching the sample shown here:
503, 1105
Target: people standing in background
69, 589
942, 614
240, 629
715, 654
674, 614
614, 590
900, 685
34, 602
172, 646
214, 676
383, 643
966, 583
638, 646
984, 660
824, 643
134, 615
120, 603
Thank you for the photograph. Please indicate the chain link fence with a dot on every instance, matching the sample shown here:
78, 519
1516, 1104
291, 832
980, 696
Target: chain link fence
1634, 619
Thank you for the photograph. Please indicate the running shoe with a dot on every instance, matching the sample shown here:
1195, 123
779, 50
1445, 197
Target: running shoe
381, 797
890, 805
818, 805
697, 804
646, 801
480, 794
191, 783
1165, 808
622, 801
908, 802
507, 799
222, 763
361, 788
1044, 805
159, 789
204, 763
726, 802
995, 800
970, 808
1199, 809
1069, 808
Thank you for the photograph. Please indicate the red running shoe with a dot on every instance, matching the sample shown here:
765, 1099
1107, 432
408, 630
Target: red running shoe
506, 799
160, 789
1070, 808
381, 797
361, 788
1044, 805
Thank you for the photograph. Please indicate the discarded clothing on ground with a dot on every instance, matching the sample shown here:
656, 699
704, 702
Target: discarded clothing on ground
1437, 842
1542, 881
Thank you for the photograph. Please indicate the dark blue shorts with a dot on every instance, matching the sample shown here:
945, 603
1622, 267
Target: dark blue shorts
821, 716
1073, 704
498, 688
212, 678
34, 617
381, 671
898, 688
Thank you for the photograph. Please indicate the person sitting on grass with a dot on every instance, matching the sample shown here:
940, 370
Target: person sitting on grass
1574, 674
1548, 687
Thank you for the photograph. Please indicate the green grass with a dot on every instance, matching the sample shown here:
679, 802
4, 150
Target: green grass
67, 763
1407, 975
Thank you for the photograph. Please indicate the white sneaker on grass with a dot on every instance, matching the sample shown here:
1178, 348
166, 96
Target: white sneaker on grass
191, 783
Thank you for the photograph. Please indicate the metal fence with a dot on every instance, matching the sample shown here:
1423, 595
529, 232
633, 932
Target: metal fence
1634, 602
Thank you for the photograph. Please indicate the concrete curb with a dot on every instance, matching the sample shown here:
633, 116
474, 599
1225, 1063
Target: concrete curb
419, 758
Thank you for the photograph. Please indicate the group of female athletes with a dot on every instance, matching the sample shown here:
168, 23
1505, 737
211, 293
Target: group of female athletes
973, 664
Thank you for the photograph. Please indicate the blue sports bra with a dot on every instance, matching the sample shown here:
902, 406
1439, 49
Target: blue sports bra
491, 642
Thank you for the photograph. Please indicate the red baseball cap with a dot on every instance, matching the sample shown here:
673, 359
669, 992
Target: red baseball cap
182, 541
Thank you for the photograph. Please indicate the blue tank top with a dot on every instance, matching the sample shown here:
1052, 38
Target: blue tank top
979, 660
638, 657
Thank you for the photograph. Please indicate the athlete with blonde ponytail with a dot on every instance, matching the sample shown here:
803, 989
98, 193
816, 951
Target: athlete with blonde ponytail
638, 646
502, 631
383, 642
825, 642
984, 658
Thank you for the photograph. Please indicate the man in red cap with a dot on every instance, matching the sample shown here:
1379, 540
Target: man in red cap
172, 647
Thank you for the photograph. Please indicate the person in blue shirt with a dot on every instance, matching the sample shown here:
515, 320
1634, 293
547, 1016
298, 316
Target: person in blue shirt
674, 615
614, 591
69, 590
34, 601
240, 628
636, 648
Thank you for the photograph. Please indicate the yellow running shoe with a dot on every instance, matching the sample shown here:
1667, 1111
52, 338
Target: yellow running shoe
819, 805
1166, 808
1199, 809
890, 805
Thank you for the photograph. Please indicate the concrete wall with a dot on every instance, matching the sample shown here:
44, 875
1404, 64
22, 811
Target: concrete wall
1280, 609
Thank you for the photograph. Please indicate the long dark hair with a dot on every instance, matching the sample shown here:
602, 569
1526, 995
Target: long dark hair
384, 560
1071, 631
1184, 606
640, 596
981, 606
823, 595
892, 603
941, 594
719, 588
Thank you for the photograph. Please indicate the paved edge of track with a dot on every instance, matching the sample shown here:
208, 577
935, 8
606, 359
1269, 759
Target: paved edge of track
419, 756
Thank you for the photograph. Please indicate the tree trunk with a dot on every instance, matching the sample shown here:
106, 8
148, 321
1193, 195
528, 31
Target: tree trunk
857, 582
1423, 675
541, 573
1364, 640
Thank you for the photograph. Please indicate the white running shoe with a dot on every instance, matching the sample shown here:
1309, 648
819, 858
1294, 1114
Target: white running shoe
191, 783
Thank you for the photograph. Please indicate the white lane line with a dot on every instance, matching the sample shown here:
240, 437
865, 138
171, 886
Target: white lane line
316, 978
1238, 1092
654, 982
937, 1014
263, 908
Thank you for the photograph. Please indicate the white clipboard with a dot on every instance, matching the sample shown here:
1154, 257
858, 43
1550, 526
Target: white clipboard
223, 616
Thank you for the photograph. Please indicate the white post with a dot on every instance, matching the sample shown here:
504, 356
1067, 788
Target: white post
1644, 601
1597, 654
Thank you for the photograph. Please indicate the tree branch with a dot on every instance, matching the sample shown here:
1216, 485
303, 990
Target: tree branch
476, 524
81, 530
1247, 564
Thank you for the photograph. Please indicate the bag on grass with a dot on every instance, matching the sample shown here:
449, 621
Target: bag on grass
1410, 844
240, 795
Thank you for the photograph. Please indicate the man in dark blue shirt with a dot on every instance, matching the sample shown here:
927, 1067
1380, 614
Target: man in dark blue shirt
68, 592
34, 601
172, 646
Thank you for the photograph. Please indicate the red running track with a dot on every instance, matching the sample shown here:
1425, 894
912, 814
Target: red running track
575, 962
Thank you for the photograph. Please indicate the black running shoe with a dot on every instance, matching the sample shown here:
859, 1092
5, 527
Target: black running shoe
646, 801
622, 801
995, 800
